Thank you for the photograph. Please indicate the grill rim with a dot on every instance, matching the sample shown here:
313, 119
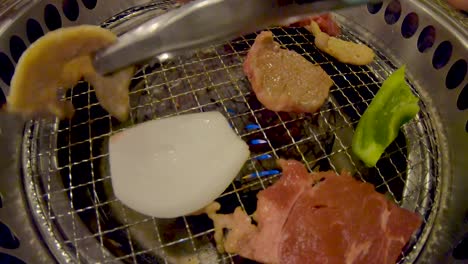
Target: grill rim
385, 68
448, 184
450, 224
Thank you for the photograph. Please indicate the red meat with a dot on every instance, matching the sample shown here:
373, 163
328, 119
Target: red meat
322, 218
325, 21
341, 220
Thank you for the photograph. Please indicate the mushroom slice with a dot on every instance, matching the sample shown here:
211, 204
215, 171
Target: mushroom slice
58, 60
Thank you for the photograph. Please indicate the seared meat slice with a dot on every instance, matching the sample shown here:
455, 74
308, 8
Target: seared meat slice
283, 80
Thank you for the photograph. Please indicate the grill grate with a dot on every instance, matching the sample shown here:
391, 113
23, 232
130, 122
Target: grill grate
212, 79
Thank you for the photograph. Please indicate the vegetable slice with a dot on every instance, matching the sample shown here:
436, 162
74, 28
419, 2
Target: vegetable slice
393, 105
344, 51
57, 61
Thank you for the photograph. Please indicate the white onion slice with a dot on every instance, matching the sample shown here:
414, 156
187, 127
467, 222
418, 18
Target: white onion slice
174, 166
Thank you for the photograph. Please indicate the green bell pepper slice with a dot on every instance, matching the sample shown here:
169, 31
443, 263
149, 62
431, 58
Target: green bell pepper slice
393, 105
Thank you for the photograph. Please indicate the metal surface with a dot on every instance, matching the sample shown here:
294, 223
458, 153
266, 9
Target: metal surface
15, 210
450, 122
66, 181
210, 21
75, 182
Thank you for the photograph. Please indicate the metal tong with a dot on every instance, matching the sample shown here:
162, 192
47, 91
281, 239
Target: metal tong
204, 22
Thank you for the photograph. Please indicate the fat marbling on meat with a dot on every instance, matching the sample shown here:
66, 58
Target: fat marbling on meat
283, 80
320, 218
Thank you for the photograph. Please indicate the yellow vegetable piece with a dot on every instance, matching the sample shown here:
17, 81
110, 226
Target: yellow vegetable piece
60, 59
111, 91
343, 51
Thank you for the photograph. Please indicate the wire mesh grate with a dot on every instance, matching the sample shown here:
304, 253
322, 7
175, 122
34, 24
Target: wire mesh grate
212, 79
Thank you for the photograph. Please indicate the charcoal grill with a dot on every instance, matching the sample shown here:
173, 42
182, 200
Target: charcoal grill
56, 200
